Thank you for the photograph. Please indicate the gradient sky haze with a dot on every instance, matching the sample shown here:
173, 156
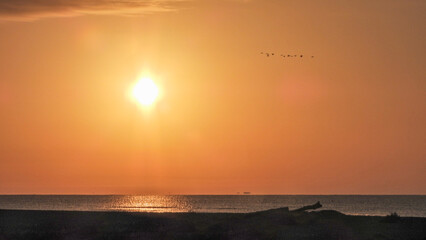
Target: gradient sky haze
351, 120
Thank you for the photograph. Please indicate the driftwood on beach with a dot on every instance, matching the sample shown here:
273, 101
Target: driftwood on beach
308, 207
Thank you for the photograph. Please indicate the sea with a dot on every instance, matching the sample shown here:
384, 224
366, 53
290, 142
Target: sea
373, 205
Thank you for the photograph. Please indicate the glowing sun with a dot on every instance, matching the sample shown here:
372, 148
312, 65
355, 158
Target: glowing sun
145, 91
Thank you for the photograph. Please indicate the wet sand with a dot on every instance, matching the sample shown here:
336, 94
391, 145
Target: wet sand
271, 224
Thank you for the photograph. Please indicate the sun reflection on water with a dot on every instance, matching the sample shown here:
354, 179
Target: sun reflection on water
152, 203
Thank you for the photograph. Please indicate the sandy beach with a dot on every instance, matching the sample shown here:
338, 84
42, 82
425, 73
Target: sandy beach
271, 224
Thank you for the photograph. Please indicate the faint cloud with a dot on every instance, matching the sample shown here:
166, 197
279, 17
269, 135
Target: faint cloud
28, 10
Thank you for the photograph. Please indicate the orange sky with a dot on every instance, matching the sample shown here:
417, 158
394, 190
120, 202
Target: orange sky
350, 120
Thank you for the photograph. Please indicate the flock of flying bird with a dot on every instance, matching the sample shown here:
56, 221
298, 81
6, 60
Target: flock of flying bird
283, 55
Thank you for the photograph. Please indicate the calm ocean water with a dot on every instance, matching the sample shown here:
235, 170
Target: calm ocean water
350, 204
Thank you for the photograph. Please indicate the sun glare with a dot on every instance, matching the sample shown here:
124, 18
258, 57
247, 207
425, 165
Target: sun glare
145, 91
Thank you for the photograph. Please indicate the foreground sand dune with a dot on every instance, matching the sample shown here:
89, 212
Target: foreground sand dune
271, 224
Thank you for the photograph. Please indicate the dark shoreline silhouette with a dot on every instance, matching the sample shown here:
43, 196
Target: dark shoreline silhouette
271, 224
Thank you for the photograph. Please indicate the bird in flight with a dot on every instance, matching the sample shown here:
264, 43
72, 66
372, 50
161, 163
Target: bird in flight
284, 55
